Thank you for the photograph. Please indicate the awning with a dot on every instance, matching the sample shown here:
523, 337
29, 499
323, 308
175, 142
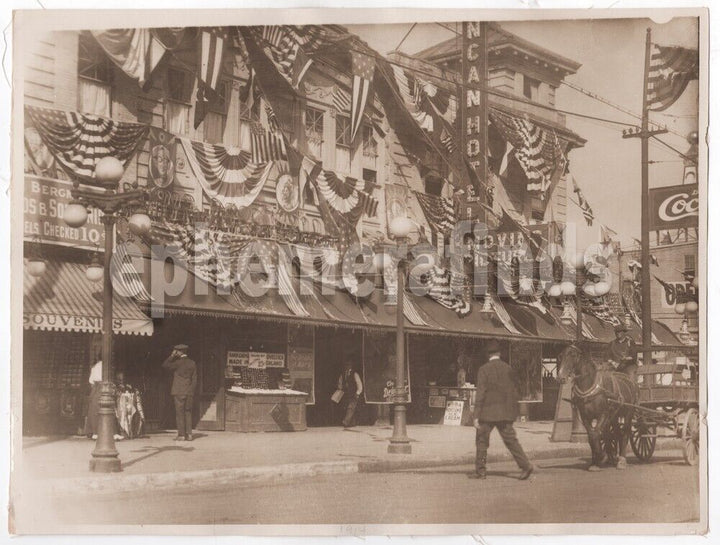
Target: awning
63, 299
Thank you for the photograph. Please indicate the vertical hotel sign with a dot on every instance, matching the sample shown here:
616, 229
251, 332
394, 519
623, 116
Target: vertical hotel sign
474, 110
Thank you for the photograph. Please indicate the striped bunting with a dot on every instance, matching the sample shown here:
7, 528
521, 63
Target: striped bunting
346, 196
671, 69
439, 212
267, 146
423, 119
79, 141
411, 312
126, 278
226, 174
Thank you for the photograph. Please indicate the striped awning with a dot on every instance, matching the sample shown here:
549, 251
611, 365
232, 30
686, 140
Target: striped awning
63, 299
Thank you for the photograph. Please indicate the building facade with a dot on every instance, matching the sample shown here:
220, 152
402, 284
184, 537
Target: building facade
296, 335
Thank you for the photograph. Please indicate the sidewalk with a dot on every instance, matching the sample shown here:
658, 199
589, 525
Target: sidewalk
215, 458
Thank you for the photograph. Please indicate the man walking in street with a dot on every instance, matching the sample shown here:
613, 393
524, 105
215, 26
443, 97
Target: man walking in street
183, 389
496, 400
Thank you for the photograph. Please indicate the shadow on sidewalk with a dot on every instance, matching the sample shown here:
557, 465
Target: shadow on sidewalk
153, 451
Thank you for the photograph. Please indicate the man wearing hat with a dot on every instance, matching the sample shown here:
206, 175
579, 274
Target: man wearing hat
183, 389
623, 353
496, 406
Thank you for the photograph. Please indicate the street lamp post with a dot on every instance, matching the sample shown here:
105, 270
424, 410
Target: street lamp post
400, 228
108, 172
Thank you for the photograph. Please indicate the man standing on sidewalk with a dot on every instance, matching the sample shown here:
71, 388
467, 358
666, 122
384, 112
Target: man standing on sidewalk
496, 406
352, 388
183, 389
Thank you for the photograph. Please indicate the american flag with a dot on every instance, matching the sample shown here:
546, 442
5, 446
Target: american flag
439, 212
211, 52
536, 150
267, 146
273, 123
447, 140
363, 69
341, 100
671, 69
583, 204
286, 52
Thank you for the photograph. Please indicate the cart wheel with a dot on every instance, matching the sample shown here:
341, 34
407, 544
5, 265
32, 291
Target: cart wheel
691, 436
642, 439
609, 444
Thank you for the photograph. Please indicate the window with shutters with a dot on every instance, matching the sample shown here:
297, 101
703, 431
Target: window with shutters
179, 96
343, 143
314, 127
216, 118
94, 78
690, 263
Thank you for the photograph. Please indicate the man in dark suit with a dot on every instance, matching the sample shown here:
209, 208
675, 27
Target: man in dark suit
183, 389
496, 406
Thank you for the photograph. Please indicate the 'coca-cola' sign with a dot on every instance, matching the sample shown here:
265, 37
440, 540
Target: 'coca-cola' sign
674, 207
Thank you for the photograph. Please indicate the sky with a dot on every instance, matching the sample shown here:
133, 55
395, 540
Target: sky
611, 52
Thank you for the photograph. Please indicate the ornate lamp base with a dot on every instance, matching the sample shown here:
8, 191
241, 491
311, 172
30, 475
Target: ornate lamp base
105, 456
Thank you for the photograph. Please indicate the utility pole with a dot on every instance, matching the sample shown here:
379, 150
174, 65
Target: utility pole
644, 134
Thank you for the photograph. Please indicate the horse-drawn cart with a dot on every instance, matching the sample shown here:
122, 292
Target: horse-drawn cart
668, 399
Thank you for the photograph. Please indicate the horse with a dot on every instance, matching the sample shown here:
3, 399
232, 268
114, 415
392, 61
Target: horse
599, 395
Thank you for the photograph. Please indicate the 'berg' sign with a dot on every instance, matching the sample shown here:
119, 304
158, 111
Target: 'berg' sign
674, 207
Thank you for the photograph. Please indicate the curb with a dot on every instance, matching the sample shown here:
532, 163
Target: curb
276, 474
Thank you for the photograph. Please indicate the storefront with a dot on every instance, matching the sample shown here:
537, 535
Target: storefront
61, 341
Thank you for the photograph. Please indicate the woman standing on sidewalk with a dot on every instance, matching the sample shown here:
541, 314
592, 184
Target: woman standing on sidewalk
93, 406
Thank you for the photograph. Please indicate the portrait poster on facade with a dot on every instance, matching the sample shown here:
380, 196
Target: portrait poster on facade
301, 360
379, 367
526, 362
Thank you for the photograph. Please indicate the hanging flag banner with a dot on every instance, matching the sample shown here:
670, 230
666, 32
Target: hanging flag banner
671, 69
674, 207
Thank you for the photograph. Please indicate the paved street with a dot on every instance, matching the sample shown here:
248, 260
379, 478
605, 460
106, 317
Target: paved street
560, 491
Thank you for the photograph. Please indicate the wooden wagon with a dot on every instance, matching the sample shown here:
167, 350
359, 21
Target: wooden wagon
669, 399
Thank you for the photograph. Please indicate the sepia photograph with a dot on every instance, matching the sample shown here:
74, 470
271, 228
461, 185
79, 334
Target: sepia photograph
359, 272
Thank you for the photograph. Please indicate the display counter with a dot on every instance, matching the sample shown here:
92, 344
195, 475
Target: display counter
264, 410
436, 399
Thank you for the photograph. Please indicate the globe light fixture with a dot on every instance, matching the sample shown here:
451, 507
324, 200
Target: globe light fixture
36, 266
108, 172
567, 288
602, 288
75, 214
691, 307
589, 289
401, 226
139, 224
555, 290
95, 270
680, 308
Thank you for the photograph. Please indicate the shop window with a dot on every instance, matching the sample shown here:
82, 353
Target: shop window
94, 78
216, 119
343, 144
531, 88
179, 96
